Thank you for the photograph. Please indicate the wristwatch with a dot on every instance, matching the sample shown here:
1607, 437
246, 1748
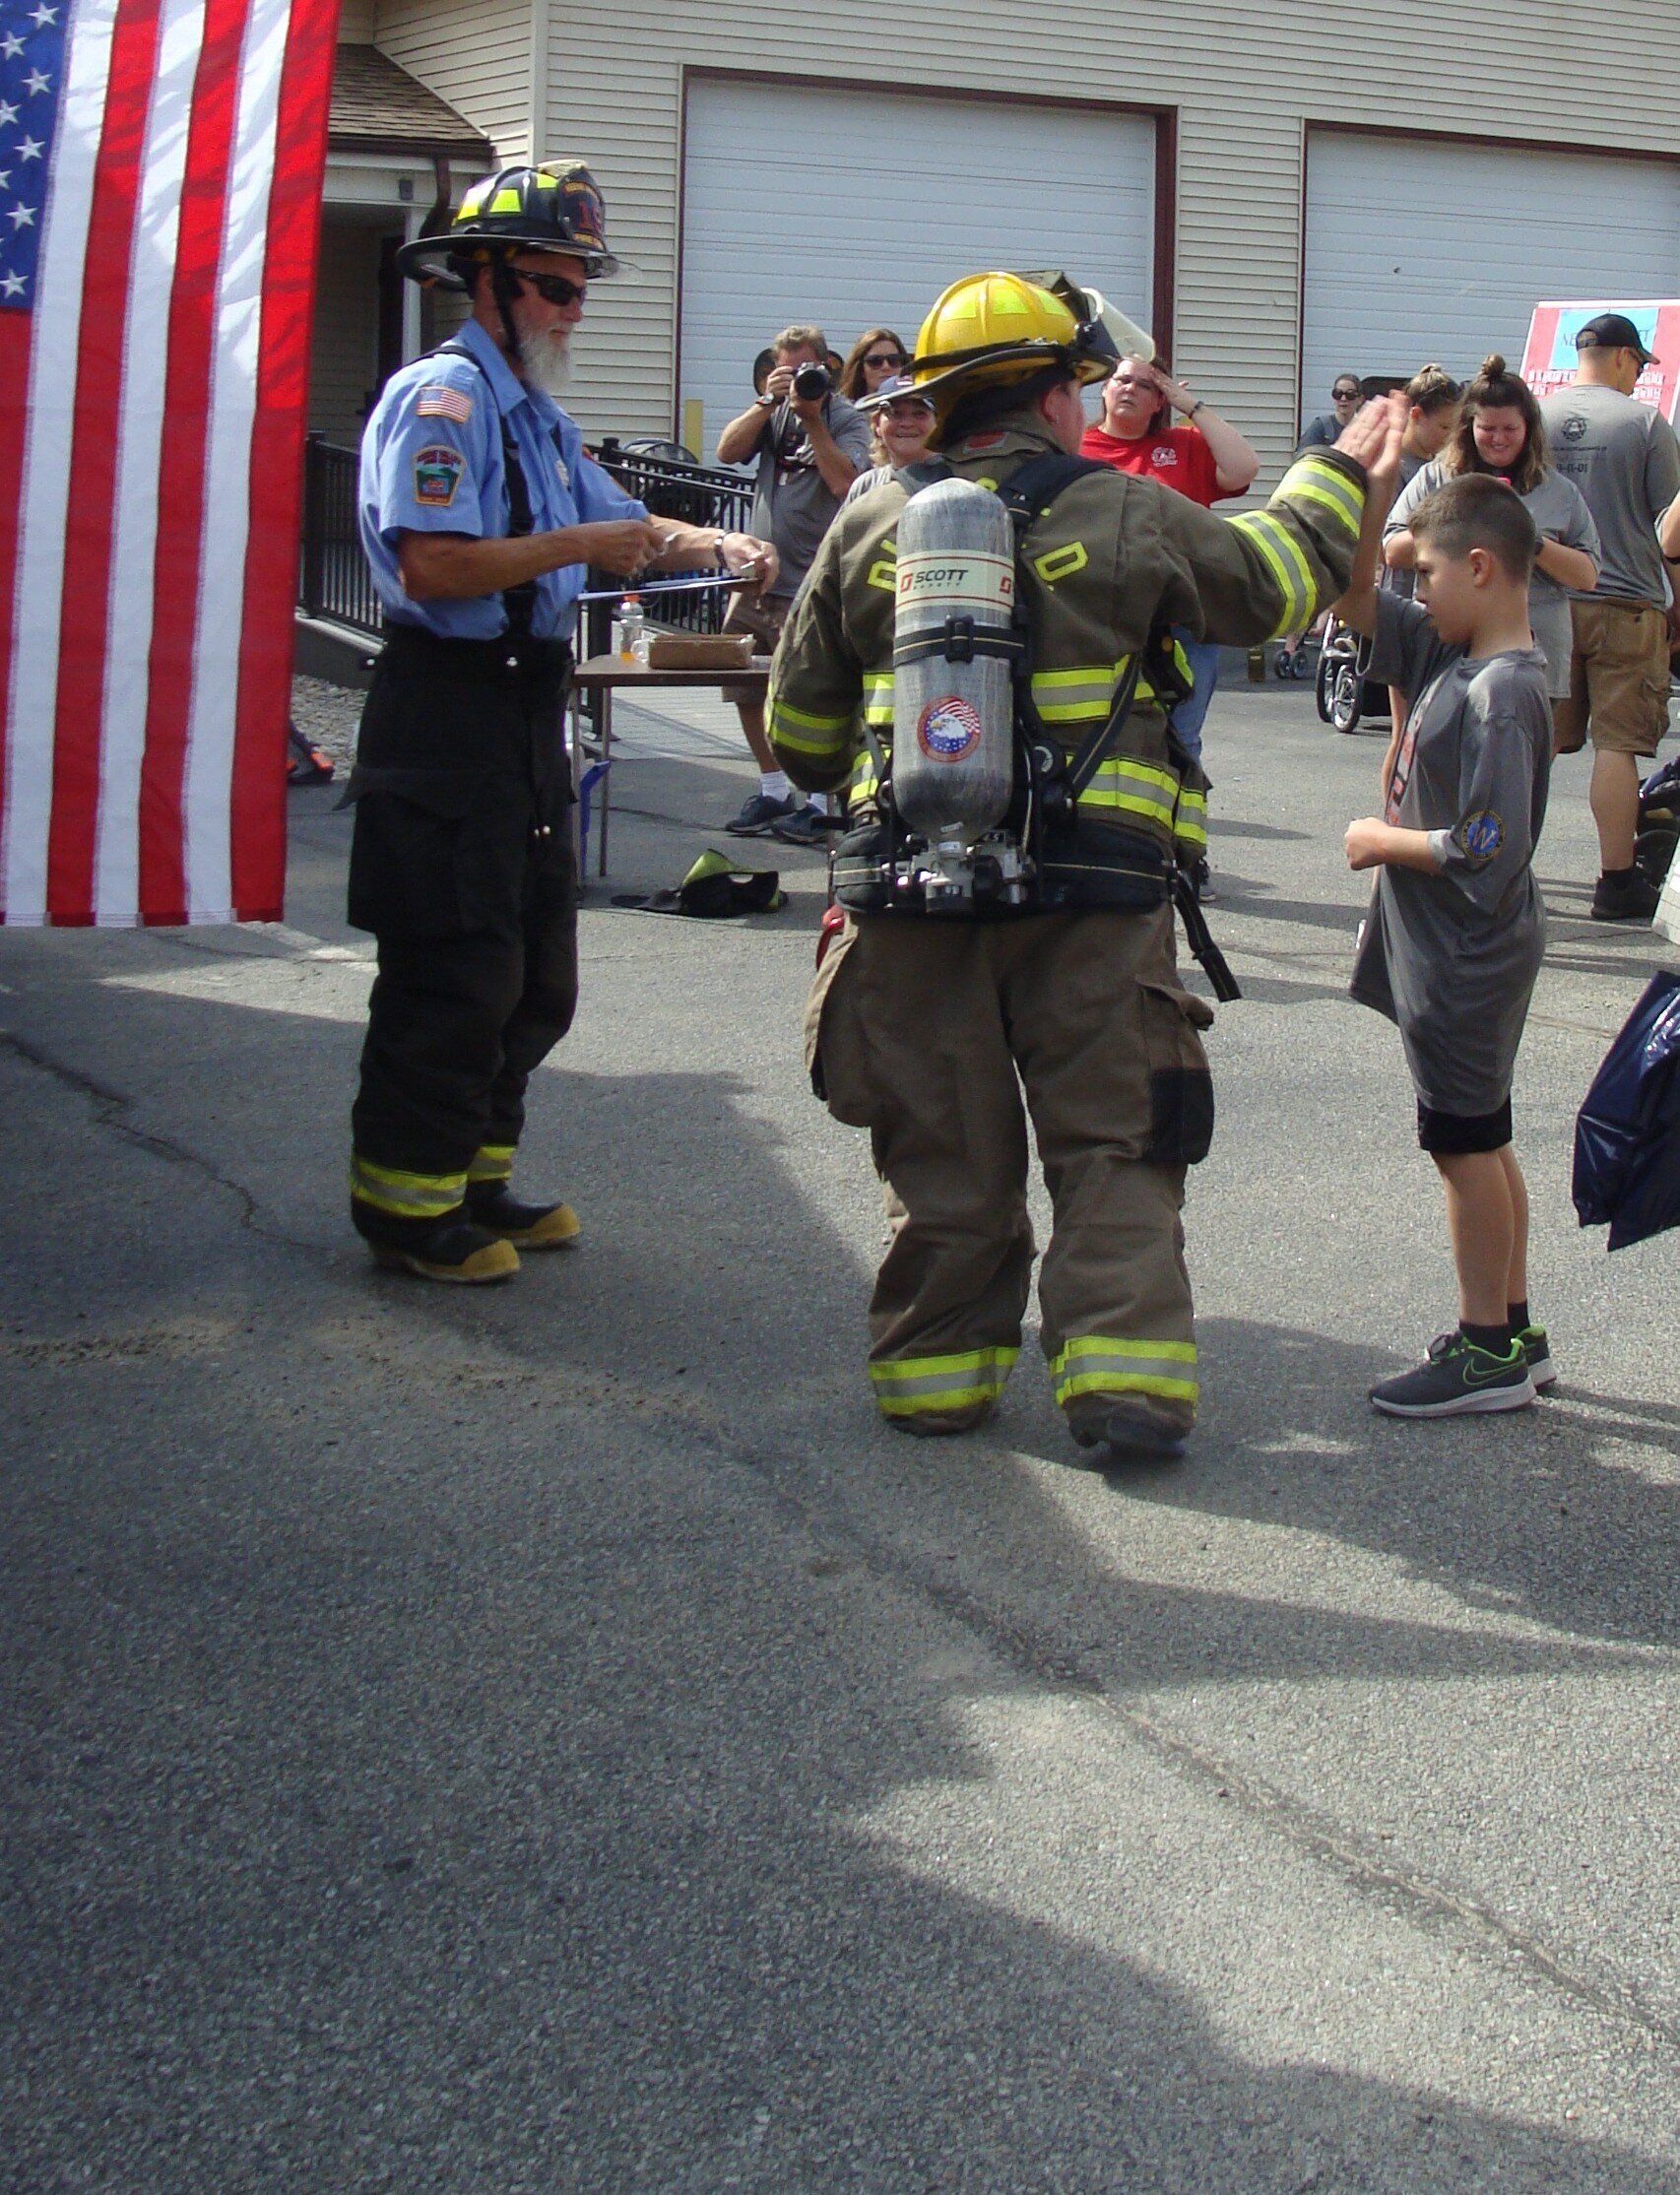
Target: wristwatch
765, 403
1198, 405
718, 550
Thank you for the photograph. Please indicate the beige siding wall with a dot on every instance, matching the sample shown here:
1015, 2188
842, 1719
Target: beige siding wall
473, 54
346, 355
1246, 79
355, 23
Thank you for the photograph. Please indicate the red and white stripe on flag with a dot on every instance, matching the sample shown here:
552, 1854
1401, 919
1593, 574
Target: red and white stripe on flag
160, 167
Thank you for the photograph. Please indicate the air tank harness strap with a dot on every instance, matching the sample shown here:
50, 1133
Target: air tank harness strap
519, 602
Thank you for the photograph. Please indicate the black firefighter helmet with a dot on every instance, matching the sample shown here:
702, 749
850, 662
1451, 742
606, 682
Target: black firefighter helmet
556, 207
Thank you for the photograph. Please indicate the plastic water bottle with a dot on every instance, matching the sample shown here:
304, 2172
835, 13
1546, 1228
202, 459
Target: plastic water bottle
633, 632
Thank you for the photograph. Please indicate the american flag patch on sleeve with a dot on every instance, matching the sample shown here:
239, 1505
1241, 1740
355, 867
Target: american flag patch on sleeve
441, 402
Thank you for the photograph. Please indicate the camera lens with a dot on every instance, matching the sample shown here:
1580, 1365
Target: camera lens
811, 382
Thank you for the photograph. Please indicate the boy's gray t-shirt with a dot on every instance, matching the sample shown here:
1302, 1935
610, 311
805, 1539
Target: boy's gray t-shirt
793, 506
1624, 458
1558, 509
1453, 959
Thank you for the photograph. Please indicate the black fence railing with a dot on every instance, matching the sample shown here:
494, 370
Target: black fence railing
671, 486
334, 581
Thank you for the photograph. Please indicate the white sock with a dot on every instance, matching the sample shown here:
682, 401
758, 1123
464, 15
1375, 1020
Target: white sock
774, 783
819, 804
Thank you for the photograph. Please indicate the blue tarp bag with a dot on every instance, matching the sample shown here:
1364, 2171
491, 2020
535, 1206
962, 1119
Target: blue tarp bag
1627, 1134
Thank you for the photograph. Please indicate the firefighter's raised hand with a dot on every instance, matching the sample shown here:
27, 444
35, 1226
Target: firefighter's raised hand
1373, 437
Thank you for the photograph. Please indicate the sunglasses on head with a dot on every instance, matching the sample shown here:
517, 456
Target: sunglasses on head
892, 358
553, 290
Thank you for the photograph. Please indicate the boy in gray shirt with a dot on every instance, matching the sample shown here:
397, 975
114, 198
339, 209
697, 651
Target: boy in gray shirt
1457, 927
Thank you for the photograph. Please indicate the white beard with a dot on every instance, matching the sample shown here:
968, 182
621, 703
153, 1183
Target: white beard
545, 363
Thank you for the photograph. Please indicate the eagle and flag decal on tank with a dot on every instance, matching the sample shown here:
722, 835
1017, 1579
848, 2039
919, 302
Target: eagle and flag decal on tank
161, 172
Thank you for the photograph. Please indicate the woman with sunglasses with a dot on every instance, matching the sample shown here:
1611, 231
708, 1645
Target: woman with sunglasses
875, 356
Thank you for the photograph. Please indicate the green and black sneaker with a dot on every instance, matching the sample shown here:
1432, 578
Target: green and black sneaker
1457, 1376
1539, 1356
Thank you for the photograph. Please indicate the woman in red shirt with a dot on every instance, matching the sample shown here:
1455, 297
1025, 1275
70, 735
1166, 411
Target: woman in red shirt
1204, 458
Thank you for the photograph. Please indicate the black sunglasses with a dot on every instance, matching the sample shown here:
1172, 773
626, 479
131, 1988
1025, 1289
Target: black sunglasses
1345, 396
553, 290
893, 359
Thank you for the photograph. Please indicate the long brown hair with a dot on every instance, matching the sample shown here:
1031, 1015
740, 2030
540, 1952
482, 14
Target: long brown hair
1496, 388
852, 383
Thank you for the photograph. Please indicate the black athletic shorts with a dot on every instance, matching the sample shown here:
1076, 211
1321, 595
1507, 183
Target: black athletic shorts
1462, 1132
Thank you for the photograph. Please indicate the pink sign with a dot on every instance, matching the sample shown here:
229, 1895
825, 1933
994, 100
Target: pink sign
1549, 358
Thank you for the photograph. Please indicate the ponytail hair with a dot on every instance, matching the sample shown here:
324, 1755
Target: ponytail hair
1497, 388
1432, 389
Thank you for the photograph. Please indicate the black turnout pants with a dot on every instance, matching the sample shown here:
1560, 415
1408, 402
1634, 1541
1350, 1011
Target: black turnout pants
462, 867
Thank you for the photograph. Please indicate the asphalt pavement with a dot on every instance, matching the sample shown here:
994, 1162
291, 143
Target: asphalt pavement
555, 1738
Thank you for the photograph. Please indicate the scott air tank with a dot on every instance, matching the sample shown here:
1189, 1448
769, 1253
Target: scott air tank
953, 745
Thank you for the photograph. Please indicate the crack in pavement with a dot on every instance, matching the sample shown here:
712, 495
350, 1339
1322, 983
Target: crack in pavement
1018, 1645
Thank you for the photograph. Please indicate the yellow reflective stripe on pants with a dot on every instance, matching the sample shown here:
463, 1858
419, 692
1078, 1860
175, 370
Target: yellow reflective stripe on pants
405, 1196
793, 728
908, 1387
1324, 484
1104, 1364
1282, 555
491, 1162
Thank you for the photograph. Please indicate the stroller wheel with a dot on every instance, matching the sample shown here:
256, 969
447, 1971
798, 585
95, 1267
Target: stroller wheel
1323, 685
1302, 668
1347, 693
1281, 666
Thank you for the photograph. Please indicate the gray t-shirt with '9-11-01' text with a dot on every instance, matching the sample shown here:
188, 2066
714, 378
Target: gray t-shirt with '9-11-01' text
1453, 957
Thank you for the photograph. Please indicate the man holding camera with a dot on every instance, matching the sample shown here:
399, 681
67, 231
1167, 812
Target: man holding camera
811, 444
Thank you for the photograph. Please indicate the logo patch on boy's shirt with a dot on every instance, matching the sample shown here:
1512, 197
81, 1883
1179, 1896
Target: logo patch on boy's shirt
437, 475
1482, 835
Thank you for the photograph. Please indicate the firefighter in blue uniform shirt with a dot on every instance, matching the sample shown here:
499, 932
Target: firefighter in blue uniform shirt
480, 516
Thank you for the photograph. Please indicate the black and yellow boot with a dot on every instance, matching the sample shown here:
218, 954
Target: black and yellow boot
492, 1206
449, 1248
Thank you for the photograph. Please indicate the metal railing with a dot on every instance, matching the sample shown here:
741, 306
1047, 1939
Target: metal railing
334, 581
671, 486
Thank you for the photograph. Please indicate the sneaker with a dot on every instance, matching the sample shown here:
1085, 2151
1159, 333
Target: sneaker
1631, 898
1130, 1428
1457, 1376
805, 827
758, 813
1538, 1353
492, 1206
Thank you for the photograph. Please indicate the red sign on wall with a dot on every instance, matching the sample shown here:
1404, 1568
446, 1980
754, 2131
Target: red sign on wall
1549, 357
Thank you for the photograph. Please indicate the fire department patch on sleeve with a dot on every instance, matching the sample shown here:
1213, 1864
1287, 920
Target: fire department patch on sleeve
437, 475
1482, 835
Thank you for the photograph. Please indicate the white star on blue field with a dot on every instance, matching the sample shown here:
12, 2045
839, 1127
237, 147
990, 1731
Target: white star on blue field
32, 83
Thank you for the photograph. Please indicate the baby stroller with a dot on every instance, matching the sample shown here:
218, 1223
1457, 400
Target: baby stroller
1658, 828
1345, 694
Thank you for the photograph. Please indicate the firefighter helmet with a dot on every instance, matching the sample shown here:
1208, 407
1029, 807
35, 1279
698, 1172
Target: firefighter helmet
556, 207
989, 331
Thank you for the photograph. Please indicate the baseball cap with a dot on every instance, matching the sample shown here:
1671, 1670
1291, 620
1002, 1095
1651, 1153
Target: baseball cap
1614, 331
897, 385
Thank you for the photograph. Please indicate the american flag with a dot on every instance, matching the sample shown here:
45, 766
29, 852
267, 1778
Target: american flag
161, 165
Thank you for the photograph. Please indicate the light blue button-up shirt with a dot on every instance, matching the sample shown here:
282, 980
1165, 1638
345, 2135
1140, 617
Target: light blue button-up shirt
431, 462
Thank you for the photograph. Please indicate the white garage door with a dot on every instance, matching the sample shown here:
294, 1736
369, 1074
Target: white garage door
1418, 251
855, 209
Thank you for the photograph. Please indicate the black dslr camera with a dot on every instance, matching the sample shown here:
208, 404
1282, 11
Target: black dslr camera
811, 382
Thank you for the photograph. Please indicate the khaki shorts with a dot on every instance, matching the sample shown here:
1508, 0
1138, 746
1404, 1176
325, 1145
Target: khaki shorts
1618, 679
762, 615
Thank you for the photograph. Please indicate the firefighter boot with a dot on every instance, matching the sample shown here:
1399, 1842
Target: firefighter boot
1130, 1428
450, 1248
492, 1206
